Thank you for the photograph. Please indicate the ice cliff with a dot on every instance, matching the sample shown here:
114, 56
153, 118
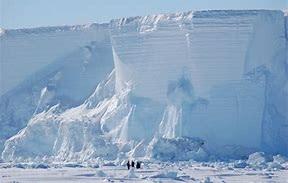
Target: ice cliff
215, 81
43, 67
233, 60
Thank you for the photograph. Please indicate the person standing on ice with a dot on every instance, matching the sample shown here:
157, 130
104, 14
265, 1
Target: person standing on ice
132, 164
138, 164
128, 165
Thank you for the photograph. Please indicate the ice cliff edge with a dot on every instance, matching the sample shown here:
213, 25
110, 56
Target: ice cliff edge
218, 75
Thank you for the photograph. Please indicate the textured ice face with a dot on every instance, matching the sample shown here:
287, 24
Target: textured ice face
190, 41
228, 55
46, 66
37, 48
220, 76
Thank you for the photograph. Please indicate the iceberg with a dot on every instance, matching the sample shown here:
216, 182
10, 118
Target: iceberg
135, 86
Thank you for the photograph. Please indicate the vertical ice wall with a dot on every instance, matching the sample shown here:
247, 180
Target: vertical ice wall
227, 54
173, 43
144, 48
218, 75
275, 118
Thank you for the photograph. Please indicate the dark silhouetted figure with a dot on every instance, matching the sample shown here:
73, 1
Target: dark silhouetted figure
138, 164
128, 165
133, 164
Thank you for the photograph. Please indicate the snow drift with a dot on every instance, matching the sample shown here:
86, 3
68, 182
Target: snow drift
216, 76
178, 149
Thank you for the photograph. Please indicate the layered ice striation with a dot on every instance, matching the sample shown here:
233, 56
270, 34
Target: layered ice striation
216, 79
232, 58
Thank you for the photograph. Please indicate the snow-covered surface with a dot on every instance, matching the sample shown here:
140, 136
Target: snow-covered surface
198, 85
151, 172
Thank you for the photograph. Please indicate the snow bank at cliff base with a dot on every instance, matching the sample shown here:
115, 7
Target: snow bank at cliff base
179, 149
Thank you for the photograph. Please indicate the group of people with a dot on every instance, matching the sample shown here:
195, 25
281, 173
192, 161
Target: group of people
132, 164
